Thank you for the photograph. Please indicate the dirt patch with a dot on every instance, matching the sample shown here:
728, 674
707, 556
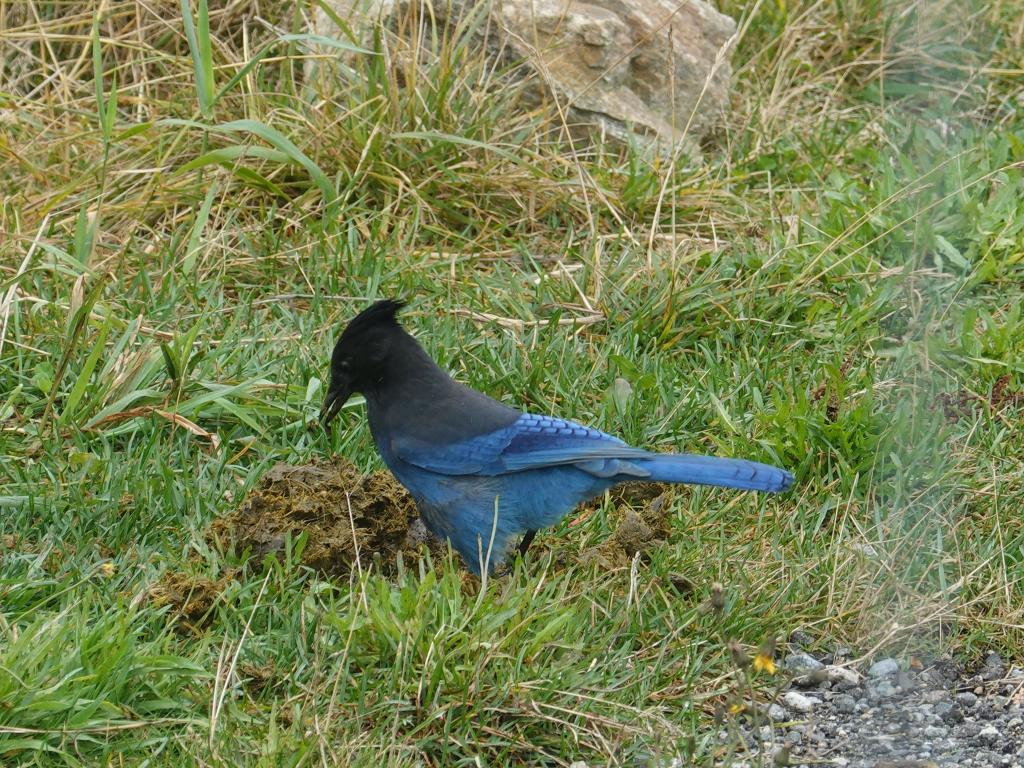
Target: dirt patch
638, 531
962, 403
191, 598
350, 520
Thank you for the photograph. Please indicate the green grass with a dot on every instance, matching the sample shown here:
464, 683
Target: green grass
835, 287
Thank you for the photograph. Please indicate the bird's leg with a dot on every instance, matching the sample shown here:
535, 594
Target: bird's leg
526, 542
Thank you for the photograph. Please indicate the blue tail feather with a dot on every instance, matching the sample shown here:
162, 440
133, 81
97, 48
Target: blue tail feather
714, 470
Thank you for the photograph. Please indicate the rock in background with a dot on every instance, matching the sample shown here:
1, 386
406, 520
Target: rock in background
657, 69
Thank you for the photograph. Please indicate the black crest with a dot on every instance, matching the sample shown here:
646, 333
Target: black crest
377, 314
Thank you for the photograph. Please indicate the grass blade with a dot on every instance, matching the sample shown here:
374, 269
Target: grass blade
85, 374
202, 53
192, 249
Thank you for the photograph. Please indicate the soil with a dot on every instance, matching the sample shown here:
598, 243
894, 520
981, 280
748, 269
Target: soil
351, 521
192, 598
643, 525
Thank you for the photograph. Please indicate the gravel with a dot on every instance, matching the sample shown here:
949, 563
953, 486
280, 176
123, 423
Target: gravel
802, 662
884, 668
895, 716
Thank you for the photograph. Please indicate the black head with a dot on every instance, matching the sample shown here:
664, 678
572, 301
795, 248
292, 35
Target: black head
361, 354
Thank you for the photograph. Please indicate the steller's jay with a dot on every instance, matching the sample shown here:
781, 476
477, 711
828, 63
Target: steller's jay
483, 473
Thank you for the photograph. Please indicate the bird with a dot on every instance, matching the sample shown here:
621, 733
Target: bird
482, 473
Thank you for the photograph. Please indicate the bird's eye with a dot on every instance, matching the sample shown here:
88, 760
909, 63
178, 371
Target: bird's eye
344, 365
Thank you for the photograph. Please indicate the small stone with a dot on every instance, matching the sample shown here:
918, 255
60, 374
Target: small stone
842, 677
798, 702
967, 700
969, 729
802, 662
846, 704
884, 668
935, 696
994, 667
777, 713
990, 734
949, 712
885, 689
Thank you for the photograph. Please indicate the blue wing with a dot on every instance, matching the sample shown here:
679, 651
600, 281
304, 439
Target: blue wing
530, 442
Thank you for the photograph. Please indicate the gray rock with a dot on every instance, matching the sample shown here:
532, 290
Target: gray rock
948, 712
884, 668
969, 729
798, 702
990, 735
842, 677
967, 700
777, 713
846, 704
884, 689
802, 662
994, 668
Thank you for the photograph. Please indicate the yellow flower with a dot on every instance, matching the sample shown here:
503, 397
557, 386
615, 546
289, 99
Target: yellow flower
107, 569
765, 659
738, 708
763, 662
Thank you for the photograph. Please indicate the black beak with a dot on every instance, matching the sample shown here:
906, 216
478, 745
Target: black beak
332, 404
